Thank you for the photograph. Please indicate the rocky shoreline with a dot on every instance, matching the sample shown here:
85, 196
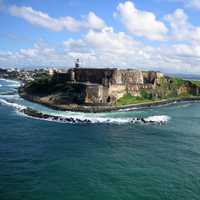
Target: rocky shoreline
98, 109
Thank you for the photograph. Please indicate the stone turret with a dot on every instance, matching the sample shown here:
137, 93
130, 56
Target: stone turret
77, 63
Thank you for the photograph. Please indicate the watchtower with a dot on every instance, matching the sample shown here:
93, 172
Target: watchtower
77, 63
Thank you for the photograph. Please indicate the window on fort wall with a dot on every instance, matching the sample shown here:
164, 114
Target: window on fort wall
108, 99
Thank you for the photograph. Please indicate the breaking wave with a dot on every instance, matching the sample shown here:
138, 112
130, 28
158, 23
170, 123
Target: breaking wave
12, 104
71, 117
10, 83
12, 99
158, 120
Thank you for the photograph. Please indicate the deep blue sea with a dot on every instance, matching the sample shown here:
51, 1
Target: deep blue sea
109, 159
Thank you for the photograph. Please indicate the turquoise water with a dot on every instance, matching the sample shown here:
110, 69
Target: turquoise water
44, 160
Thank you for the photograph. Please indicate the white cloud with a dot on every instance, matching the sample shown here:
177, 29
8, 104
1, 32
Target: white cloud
141, 23
101, 46
193, 4
181, 29
116, 49
44, 20
107, 48
94, 21
37, 56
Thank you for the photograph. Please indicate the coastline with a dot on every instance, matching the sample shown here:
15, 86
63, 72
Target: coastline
110, 108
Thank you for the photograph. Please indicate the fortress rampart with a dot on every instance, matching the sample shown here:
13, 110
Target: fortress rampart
102, 86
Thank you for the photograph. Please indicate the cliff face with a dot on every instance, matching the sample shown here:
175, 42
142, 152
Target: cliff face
86, 86
172, 87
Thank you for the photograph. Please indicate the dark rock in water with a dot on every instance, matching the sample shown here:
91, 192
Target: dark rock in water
67, 120
56, 118
36, 114
45, 116
143, 120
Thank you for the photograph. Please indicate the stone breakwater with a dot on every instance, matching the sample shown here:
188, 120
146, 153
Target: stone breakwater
73, 120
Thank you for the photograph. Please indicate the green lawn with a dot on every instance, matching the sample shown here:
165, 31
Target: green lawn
129, 99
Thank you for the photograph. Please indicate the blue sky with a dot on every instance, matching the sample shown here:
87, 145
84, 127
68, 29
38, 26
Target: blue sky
149, 34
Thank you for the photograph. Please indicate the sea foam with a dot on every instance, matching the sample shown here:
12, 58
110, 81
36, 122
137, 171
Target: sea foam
14, 105
71, 117
10, 83
162, 119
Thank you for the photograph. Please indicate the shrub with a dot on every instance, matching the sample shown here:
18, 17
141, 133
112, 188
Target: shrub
177, 82
146, 95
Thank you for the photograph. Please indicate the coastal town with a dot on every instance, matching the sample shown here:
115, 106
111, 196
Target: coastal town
23, 75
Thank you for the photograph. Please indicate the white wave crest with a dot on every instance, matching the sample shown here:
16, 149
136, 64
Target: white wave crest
150, 119
11, 83
14, 105
71, 117
9, 80
9, 96
158, 118
103, 120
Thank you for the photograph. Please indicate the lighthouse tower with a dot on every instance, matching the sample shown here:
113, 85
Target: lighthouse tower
77, 63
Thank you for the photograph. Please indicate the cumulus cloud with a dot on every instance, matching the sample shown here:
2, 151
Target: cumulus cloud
181, 28
39, 55
141, 23
107, 48
116, 49
44, 20
102, 46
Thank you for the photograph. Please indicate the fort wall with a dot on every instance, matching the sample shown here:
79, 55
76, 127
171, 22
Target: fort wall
106, 85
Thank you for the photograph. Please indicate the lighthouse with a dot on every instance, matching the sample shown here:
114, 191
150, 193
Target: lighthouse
77, 63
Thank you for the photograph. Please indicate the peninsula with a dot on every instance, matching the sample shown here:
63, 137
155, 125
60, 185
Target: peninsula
107, 89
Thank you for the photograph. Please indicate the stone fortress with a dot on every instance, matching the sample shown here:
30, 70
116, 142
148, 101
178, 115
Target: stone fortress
104, 86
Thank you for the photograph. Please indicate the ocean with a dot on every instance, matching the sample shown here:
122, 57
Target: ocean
109, 159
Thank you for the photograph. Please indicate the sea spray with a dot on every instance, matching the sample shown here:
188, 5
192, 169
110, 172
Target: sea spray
71, 117
81, 119
12, 104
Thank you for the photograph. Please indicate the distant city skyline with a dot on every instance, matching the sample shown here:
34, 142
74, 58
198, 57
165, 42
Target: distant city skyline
161, 35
